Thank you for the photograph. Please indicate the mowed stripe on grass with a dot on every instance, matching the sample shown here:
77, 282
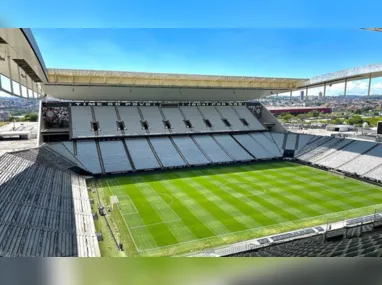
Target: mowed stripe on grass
166, 209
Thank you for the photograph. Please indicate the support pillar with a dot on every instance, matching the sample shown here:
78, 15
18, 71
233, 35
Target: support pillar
10, 74
324, 95
368, 89
346, 85
306, 94
21, 94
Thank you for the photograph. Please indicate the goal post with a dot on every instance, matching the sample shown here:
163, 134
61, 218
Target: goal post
114, 201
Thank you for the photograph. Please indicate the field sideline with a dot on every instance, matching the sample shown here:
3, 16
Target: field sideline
177, 211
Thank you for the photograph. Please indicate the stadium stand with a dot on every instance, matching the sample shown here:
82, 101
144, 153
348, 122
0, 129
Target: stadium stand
232, 148
291, 141
343, 155
190, 151
193, 115
45, 210
114, 156
176, 119
267, 144
87, 154
132, 120
364, 163
212, 149
279, 140
154, 119
228, 113
368, 245
253, 123
81, 118
142, 154
107, 119
252, 146
166, 152
212, 115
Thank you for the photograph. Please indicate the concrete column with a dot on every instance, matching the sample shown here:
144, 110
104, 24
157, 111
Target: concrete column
10, 74
290, 97
18, 69
306, 94
346, 85
368, 89
324, 90
26, 85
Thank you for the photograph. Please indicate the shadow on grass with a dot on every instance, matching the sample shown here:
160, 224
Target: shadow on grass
170, 174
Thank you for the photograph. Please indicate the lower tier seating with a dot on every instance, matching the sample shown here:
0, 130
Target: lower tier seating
45, 210
145, 153
368, 245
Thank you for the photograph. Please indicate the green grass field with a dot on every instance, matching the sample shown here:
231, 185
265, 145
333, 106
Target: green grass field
179, 211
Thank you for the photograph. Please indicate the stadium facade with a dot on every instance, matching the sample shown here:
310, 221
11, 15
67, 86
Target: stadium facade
118, 123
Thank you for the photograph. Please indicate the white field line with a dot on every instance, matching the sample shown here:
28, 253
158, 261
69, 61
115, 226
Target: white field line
327, 186
148, 185
132, 203
269, 201
261, 228
326, 172
153, 224
123, 218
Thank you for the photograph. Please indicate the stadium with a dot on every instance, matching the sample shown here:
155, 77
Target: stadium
150, 164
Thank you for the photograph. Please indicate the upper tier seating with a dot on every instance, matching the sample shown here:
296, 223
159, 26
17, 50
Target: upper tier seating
107, 120
253, 123
81, 118
175, 117
156, 120
45, 210
210, 113
192, 114
232, 117
132, 120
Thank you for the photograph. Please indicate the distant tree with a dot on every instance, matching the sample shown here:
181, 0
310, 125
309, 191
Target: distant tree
355, 120
336, 121
32, 117
358, 111
315, 113
287, 117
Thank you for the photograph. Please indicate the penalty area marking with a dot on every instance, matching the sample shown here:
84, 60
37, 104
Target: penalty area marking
254, 191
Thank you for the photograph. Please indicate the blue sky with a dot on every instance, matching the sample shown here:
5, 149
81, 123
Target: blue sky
269, 38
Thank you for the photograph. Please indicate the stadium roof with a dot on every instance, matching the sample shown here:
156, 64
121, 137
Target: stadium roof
74, 76
23, 63
118, 85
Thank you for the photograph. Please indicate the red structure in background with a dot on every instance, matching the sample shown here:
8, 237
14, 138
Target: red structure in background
298, 110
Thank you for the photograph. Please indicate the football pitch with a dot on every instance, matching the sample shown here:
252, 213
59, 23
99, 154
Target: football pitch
184, 210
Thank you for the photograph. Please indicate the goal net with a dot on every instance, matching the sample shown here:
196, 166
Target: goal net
114, 201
